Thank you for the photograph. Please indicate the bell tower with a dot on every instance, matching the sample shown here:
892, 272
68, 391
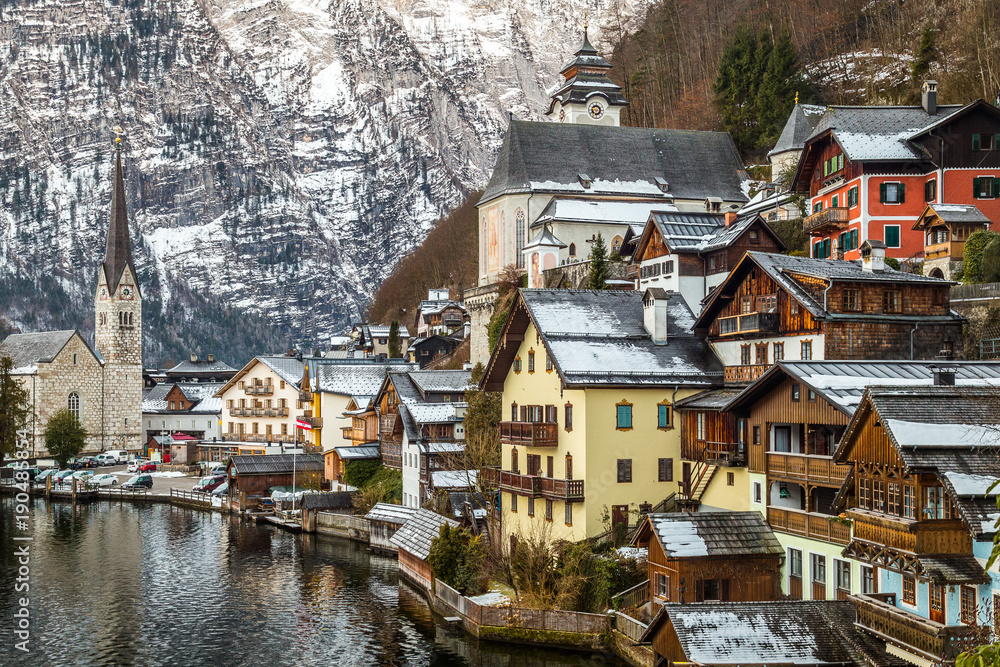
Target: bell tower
118, 325
587, 95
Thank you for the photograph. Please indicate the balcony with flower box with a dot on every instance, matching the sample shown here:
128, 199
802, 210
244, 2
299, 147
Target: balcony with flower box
833, 219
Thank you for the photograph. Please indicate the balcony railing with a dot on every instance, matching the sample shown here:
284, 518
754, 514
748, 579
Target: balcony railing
816, 469
756, 322
315, 422
909, 535
922, 637
259, 390
827, 220
808, 524
569, 490
258, 437
745, 373
258, 412
305, 396
533, 434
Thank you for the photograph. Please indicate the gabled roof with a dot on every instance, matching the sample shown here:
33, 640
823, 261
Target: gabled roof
454, 479
202, 394
684, 232
434, 413
351, 379
382, 331
118, 249
709, 534
873, 133
788, 632
599, 211
785, 270
950, 213
275, 464
29, 350
358, 453
621, 161
415, 535
798, 127
843, 383
202, 366
950, 431
596, 338
442, 382
544, 238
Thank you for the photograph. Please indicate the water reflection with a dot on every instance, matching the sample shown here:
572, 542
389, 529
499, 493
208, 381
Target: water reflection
117, 584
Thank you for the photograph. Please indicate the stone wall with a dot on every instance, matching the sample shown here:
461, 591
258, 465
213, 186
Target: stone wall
577, 274
479, 303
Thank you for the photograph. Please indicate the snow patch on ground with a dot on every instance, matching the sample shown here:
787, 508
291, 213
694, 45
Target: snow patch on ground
493, 598
171, 473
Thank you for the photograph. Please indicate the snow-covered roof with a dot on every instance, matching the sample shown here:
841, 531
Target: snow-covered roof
454, 479
201, 366
544, 238
798, 127
442, 382
879, 133
382, 331
434, 413
389, 513
30, 349
350, 379
547, 157
597, 338
703, 534
789, 632
415, 536
444, 447
202, 394
959, 213
359, 452
599, 211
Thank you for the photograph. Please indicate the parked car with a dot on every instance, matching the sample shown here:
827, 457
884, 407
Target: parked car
120, 455
209, 484
133, 466
82, 474
139, 481
147, 466
221, 489
62, 476
106, 479
40, 477
217, 470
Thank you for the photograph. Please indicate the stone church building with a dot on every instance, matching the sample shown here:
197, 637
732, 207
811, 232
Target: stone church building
101, 385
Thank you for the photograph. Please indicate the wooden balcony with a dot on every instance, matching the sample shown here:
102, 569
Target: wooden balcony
806, 468
386, 423
910, 536
745, 373
570, 490
305, 396
808, 524
922, 637
755, 323
827, 220
315, 422
953, 249
726, 454
531, 434
259, 390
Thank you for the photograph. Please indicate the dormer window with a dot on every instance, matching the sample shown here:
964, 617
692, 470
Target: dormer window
585, 181
662, 184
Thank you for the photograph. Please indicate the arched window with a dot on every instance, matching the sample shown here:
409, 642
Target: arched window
520, 223
572, 250
73, 403
130, 319
121, 318
616, 244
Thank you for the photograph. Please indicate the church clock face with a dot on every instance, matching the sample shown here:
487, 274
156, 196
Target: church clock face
595, 110
125, 292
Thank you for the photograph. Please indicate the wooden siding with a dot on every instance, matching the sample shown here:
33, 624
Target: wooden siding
871, 445
720, 433
791, 320
916, 299
889, 340
765, 243
777, 407
820, 154
955, 138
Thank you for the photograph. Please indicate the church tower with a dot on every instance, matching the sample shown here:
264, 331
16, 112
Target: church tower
587, 95
118, 326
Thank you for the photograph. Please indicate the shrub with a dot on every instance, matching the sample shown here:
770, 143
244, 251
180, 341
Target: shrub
456, 557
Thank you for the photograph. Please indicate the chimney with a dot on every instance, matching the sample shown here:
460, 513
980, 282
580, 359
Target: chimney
211, 358
730, 217
928, 97
944, 376
194, 357
873, 256
654, 314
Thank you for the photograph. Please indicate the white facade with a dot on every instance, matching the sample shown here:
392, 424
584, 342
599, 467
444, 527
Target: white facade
411, 473
730, 351
168, 424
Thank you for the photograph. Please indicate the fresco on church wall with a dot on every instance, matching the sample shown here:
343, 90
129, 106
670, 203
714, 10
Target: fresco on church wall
493, 240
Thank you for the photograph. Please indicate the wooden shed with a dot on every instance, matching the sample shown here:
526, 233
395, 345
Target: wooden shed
251, 477
413, 540
711, 556
313, 503
384, 520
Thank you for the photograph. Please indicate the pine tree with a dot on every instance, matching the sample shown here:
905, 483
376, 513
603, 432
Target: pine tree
926, 54
736, 87
598, 265
394, 352
14, 407
780, 80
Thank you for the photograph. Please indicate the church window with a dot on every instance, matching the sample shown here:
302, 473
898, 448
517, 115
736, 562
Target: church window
572, 250
121, 318
74, 405
74, 360
520, 223
616, 244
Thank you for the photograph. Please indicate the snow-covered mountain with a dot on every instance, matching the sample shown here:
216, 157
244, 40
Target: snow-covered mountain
281, 155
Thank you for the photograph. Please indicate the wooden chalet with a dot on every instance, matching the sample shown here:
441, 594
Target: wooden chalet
776, 633
691, 253
774, 307
924, 459
710, 557
413, 543
946, 228
384, 519
710, 439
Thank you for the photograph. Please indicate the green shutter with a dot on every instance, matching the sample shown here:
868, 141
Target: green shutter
892, 236
996, 187
901, 192
881, 193
975, 188
975, 142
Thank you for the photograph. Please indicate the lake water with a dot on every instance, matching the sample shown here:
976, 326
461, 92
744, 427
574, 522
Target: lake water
158, 585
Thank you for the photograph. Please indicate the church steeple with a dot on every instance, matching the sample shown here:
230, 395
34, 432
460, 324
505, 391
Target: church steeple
587, 95
118, 251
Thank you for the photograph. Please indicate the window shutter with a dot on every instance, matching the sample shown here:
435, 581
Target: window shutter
996, 141
724, 592
975, 142
996, 187
699, 591
901, 192
881, 192
975, 188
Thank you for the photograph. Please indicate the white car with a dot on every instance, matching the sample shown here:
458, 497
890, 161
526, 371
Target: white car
133, 466
82, 474
106, 479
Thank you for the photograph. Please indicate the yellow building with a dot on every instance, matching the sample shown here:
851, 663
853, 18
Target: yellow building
589, 379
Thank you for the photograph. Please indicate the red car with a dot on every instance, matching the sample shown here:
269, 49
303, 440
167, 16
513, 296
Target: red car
149, 466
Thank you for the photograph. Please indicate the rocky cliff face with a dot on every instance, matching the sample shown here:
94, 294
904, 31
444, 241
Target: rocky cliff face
281, 155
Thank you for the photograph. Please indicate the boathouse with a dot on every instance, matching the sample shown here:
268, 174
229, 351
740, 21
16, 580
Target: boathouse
251, 477
413, 541
384, 519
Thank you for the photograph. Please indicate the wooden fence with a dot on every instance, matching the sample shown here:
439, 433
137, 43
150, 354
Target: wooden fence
629, 627
191, 498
